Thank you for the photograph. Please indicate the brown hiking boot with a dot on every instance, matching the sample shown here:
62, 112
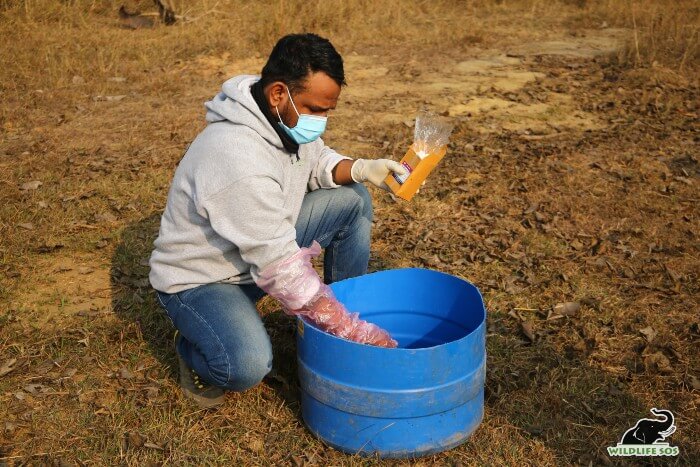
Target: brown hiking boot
204, 394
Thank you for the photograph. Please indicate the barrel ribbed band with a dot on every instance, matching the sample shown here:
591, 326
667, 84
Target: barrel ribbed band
392, 403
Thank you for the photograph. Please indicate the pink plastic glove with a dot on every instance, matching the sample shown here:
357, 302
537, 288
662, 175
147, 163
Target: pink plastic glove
326, 312
294, 282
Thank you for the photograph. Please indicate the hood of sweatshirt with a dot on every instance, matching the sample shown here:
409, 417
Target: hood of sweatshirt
235, 104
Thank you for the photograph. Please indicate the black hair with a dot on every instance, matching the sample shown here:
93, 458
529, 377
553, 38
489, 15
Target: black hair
295, 56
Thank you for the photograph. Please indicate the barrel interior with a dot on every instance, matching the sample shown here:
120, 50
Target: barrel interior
420, 308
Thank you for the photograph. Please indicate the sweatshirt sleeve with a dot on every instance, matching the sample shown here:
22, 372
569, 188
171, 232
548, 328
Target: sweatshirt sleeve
251, 214
321, 173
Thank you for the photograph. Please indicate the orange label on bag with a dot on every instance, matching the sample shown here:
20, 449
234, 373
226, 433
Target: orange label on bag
405, 186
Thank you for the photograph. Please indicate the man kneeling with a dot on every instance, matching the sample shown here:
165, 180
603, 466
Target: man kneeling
252, 199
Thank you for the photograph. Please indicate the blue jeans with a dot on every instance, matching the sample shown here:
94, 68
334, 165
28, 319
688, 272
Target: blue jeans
222, 336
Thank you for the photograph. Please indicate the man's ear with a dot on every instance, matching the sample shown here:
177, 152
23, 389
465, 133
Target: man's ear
277, 93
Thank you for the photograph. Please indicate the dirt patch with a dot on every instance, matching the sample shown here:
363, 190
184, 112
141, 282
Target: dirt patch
588, 44
493, 89
64, 288
224, 65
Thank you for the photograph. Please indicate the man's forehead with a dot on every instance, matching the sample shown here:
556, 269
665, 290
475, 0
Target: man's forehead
320, 88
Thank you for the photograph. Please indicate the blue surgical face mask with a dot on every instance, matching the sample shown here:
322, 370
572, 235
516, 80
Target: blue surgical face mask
308, 127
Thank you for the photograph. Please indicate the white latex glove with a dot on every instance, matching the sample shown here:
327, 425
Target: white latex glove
375, 171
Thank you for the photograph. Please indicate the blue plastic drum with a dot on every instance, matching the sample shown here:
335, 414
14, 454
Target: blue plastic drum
424, 397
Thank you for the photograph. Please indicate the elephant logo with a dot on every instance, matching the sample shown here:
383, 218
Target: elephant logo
647, 437
651, 430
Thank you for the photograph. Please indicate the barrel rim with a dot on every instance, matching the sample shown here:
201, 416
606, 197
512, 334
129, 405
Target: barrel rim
470, 334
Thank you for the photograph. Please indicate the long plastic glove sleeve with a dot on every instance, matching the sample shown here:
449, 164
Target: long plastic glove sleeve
375, 171
295, 283
330, 315
292, 281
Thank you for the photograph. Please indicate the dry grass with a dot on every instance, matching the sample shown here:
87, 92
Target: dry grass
63, 33
663, 33
58, 40
533, 219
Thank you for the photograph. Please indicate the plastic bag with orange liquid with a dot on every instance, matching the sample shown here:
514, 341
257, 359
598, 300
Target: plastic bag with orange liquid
431, 135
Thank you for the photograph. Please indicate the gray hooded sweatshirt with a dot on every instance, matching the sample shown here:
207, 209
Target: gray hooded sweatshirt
235, 197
